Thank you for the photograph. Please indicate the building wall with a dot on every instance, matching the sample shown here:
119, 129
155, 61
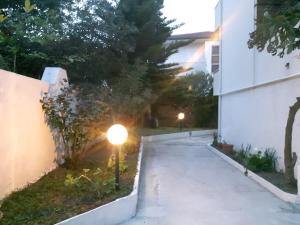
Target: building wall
255, 89
27, 149
258, 117
236, 59
191, 56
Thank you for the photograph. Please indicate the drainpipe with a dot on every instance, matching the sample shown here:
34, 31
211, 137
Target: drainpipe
221, 69
254, 49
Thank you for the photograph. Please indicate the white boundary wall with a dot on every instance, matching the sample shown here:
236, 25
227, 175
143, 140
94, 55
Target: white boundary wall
27, 150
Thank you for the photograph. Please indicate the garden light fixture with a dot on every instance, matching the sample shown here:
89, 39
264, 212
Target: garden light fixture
117, 135
181, 117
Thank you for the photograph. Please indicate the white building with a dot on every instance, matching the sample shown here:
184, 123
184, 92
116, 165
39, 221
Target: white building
255, 89
199, 55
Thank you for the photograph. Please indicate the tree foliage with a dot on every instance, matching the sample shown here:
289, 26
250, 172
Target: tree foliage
192, 94
128, 97
94, 40
152, 32
185, 90
277, 28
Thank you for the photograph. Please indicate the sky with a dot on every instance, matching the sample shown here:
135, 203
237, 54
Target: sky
198, 15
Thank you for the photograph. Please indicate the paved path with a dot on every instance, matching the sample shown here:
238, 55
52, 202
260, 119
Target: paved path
186, 184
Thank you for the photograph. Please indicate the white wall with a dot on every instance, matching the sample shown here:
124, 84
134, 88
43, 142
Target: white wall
252, 113
259, 116
240, 66
236, 59
218, 15
191, 56
27, 150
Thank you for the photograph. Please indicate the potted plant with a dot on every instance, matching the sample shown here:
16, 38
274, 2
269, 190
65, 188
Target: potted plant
227, 148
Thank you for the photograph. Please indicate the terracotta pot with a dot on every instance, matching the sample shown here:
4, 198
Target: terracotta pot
219, 145
227, 149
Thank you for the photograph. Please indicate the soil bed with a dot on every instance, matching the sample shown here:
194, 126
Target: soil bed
275, 178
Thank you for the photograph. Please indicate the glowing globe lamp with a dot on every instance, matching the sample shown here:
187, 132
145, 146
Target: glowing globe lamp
181, 116
117, 134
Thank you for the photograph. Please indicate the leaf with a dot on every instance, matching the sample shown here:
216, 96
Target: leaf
2, 18
28, 7
98, 171
86, 170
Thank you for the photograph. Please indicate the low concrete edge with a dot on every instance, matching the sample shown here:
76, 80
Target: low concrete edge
287, 197
114, 212
163, 137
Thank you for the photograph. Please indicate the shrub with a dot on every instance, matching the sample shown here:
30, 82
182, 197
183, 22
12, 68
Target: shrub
65, 123
270, 160
68, 115
242, 155
95, 180
257, 162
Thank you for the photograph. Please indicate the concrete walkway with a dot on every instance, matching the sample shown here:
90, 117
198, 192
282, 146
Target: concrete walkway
184, 183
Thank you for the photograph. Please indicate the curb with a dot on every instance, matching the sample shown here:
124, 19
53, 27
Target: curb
287, 197
163, 137
114, 212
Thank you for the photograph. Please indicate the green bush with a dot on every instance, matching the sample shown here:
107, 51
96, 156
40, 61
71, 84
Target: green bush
270, 160
242, 155
257, 162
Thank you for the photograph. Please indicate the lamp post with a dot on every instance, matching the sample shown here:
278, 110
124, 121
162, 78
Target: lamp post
181, 117
117, 135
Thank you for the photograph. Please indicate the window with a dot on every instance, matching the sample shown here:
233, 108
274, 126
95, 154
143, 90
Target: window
215, 58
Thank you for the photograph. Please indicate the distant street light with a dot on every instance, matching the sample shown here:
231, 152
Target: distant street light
181, 117
117, 135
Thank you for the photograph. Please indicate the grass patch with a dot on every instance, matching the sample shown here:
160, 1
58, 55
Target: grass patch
163, 130
49, 200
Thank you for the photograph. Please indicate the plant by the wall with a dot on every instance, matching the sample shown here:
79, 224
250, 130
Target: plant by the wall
270, 159
243, 154
95, 179
66, 123
257, 162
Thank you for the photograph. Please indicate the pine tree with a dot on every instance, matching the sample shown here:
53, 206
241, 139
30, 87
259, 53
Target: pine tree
153, 30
